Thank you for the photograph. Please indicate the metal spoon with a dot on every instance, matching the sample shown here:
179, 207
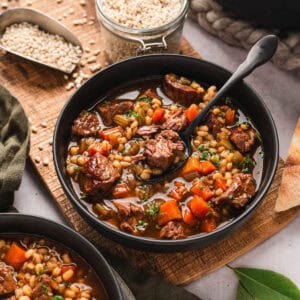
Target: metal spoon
260, 53
46, 23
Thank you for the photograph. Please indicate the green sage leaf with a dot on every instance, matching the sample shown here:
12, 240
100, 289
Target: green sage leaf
266, 285
242, 293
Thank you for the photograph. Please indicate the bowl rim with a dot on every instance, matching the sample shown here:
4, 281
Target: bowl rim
151, 244
27, 218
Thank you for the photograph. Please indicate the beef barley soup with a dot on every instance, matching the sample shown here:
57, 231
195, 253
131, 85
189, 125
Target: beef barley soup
133, 134
39, 269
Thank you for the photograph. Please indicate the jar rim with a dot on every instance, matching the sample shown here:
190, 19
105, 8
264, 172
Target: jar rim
134, 30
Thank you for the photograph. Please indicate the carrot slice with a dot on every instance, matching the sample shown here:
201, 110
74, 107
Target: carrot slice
179, 191
191, 166
206, 167
208, 225
15, 256
191, 112
199, 207
230, 116
169, 211
102, 148
220, 183
158, 114
202, 191
189, 218
112, 134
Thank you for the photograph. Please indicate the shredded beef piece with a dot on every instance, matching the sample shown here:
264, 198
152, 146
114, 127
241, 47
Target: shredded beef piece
151, 93
180, 93
86, 124
126, 226
240, 191
176, 122
243, 139
147, 130
214, 124
100, 174
172, 230
116, 107
138, 157
7, 281
161, 151
127, 208
40, 292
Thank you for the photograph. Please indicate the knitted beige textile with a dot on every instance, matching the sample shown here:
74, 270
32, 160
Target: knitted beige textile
236, 32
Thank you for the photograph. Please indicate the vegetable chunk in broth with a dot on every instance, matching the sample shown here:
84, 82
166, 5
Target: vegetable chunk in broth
36, 268
133, 134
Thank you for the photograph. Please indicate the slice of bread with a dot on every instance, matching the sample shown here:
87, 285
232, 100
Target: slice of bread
289, 191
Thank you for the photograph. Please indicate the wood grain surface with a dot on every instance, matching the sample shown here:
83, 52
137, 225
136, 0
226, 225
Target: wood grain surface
43, 93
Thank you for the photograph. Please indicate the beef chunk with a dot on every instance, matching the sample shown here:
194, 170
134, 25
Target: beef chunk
181, 93
147, 130
240, 191
176, 122
127, 208
86, 124
161, 151
138, 157
99, 175
7, 281
116, 107
213, 124
151, 93
40, 292
243, 139
126, 226
172, 230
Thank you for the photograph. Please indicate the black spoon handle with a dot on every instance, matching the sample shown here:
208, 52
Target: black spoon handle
260, 53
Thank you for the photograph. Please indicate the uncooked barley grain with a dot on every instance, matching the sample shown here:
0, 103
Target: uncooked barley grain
29, 40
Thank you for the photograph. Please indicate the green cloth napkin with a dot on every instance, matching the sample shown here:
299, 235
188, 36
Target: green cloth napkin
14, 146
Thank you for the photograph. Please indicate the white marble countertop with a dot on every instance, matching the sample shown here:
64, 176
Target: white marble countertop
281, 92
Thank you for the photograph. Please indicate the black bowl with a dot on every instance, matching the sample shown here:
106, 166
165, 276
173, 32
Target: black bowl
17, 224
157, 65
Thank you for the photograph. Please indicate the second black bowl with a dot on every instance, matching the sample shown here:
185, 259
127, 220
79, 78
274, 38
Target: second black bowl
158, 65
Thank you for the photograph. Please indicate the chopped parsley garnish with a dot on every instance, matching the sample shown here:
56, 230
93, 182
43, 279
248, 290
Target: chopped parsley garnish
145, 99
248, 163
135, 114
228, 100
44, 288
201, 147
57, 297
205, 155
232, 197
258, 136
246, 170
209, 213
83, 195
215, 160
145, 199
77, 168
141, 224
153, 210
107, 102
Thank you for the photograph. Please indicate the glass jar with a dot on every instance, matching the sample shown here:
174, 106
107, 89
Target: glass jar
122, 42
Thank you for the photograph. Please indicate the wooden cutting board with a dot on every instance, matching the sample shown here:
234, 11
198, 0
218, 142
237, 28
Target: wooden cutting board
42, 93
